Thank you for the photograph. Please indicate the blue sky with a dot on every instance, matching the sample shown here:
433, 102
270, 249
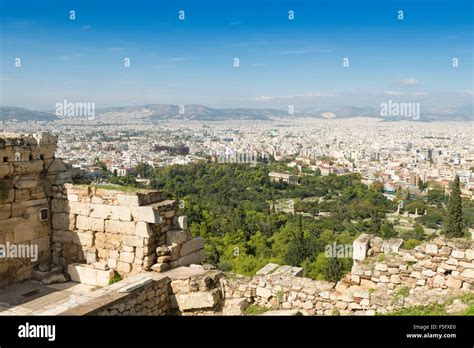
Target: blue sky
282, 62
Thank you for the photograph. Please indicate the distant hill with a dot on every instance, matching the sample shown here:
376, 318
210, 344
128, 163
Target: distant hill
159, 112
194, 111
22, 114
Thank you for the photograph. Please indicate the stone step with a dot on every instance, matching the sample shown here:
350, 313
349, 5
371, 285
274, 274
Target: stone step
40, 275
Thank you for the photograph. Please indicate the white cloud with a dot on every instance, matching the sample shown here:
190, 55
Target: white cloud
408, 82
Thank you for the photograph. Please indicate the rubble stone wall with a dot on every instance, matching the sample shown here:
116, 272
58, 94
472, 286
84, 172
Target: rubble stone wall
387, 280
29, 176
136, 295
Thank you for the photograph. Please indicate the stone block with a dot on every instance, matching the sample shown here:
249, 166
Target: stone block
458, 254
124, 267
198, 300
121, 213
79, 208
83, 239
191, 246
121, 227
177, 237
63, 221
133, 241
5, 211
360, 247
263, 292
143, 229
87, 223
145, 214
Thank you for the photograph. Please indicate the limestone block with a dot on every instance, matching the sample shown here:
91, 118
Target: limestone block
5, 211
428, 273
26, 182
87, 223
263, 292
30, 167
61, 236
381, 267
431, 249
160, 267
198, 300
177, 237
392, 245
469, 254
191, 246
174, 250
145, 214
45, 138
63, 221
102, 211
22, 195
121, 213
83, 238
193, 258
360, 247
122, 227
133, 241
128, 200
235, 306
452, 282
79, 208
468, 273
458, 254
127, 257
124, 267
6, 169
143, 229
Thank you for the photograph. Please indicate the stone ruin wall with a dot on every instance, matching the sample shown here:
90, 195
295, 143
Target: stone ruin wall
97, 232
87, 231
29, 172
433, 272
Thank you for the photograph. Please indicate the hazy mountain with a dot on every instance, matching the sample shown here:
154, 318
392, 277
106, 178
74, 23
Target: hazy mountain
157, 112
193, 111
22, 114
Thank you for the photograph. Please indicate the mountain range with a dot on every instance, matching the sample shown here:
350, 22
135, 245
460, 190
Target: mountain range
158, 112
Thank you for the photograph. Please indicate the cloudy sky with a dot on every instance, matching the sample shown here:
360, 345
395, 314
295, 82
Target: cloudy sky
191, 61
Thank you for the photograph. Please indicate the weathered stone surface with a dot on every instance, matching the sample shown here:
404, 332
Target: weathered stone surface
198, 300
89, 224
143, 229
160, 267
457, 254
191, 246
177, 237
431, 249
235, 306
55, 278
264, 292
267, 269
146, 214
360, 247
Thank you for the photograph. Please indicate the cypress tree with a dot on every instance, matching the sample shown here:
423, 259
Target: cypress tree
453, 222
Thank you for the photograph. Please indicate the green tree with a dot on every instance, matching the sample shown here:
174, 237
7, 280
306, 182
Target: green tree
453, 223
